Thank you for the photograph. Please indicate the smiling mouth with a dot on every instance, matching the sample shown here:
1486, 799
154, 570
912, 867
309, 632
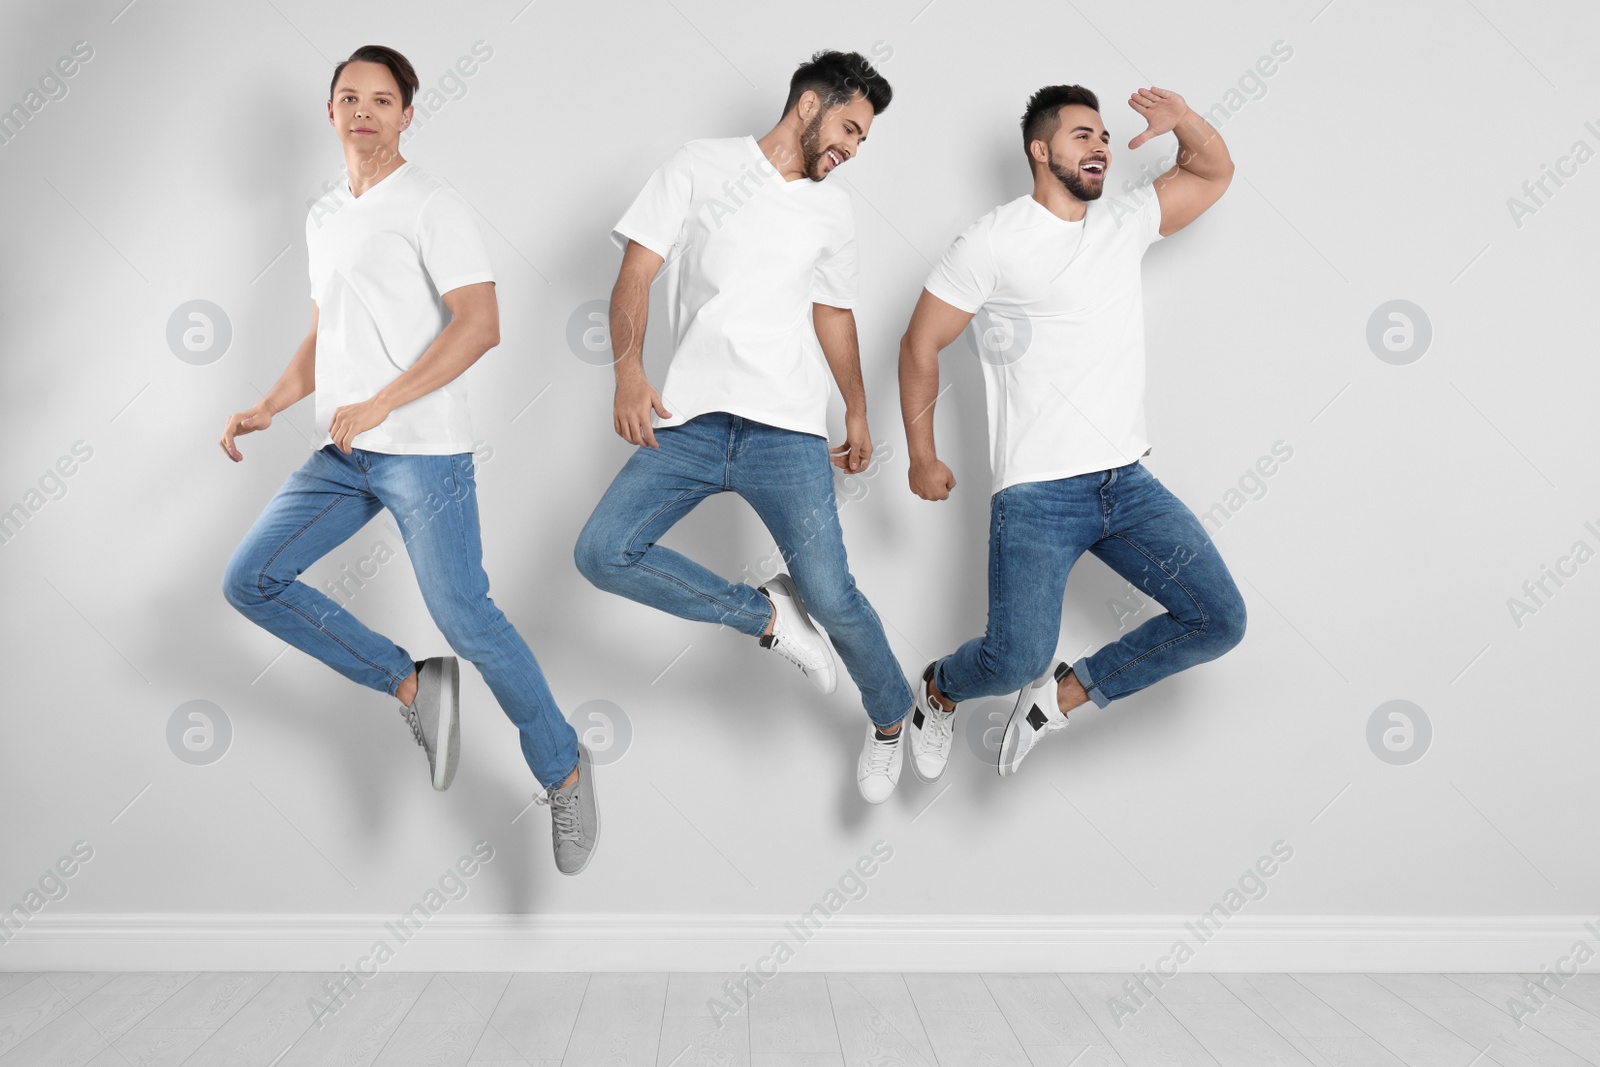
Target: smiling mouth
834, 157
1097, 169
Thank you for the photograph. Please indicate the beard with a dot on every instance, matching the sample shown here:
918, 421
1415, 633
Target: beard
1074, 183
811, 148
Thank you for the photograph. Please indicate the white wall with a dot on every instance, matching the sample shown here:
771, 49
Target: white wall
1376, 165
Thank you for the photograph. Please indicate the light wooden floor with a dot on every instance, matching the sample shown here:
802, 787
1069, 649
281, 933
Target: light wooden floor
796, 1020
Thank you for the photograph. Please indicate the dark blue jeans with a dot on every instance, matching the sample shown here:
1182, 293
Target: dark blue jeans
434, 500
1129, 520
787, 478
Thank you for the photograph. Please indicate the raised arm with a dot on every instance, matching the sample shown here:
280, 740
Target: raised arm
1203, 168
630, 309
836, 330
934, 325
298, 381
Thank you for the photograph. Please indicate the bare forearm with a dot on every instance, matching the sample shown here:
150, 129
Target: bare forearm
630, 310
919, 390
458, 346
1201, 150
836, 331
298, 381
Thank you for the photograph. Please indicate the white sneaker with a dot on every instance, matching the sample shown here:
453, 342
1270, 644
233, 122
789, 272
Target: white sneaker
931, 732
878, 769
796, 638
1036, 716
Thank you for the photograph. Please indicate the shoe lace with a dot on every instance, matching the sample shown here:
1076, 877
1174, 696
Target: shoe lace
564, 813
939, 729
793, 653
880, 756
415, 722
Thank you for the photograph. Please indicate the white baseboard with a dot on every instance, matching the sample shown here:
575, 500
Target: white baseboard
843, 943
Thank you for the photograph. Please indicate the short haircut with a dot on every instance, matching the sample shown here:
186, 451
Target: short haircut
837, 77
1042, 118
404, 76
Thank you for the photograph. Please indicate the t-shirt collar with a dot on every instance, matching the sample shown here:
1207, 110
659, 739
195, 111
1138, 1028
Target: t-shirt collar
772, 171
385, 180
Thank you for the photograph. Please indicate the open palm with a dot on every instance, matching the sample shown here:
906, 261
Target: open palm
1160, 108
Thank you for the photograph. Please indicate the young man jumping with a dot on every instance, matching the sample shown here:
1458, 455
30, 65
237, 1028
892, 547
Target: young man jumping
1058, 271
763, 274
403, 302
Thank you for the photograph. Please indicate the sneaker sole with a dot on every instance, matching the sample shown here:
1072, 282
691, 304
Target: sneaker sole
911, 758
444, 763
586, 769
923, 706
1009, 759
830, 680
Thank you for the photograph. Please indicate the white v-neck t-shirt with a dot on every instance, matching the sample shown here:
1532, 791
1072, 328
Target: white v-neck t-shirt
1059, 319
747, 253
380, 264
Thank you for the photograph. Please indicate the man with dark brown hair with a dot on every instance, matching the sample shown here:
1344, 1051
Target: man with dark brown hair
403, 302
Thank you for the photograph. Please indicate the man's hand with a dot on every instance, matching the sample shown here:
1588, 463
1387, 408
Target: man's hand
630, 413
856, 452
257, 418
1160, 108
352, 419
931, 479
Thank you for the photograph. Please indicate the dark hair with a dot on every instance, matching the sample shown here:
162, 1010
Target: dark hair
837, 77
398, 65
1043, 117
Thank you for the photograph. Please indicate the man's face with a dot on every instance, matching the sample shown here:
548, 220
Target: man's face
1080, 152
365, 109
832, 135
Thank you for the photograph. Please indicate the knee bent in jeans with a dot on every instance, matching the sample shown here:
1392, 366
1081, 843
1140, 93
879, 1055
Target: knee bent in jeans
834, 605
1010, 673
245, 583
600, 559
1227, 624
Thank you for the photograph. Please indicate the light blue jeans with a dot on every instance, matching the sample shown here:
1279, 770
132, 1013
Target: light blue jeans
1133, 524
787, 477
434, 501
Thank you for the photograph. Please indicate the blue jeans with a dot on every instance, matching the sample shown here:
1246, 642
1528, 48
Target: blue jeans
1127, 518
434, 500
787, 477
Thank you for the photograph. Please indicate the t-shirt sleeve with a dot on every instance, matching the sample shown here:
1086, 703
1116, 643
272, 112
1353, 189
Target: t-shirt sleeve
311, 257
655, 218
835, 281
1150, 218
452, 248
965, 276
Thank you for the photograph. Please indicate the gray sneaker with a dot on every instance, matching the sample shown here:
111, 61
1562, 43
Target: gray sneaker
435, 716
574, 818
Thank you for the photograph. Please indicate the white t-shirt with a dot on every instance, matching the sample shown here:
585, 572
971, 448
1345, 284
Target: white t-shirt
1059, 317
380, 264
747, 254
